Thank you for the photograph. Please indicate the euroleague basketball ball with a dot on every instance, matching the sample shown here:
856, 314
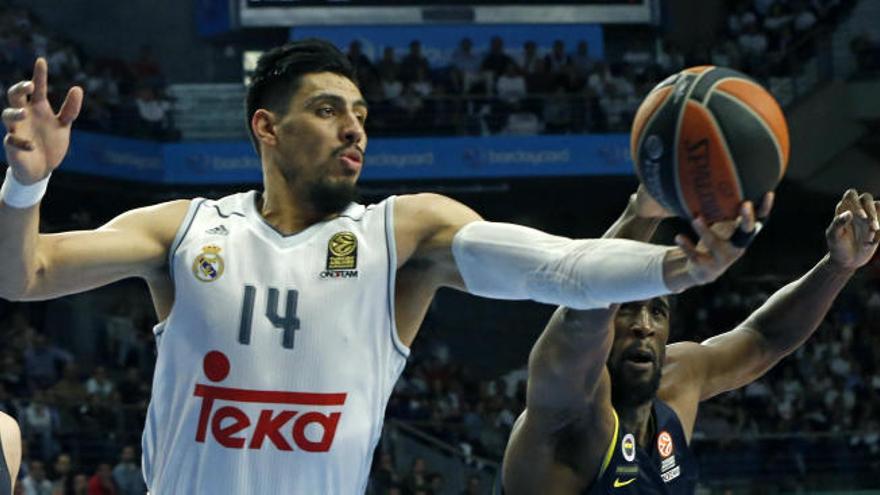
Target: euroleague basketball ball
707, 139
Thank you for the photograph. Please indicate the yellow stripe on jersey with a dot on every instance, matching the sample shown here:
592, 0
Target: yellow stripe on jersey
610, 452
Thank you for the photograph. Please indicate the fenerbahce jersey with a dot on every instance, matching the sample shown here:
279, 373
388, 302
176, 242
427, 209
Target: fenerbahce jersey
667, 467
279, 355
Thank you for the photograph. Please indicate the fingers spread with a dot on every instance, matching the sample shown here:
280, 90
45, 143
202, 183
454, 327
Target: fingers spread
40, 80
71, 106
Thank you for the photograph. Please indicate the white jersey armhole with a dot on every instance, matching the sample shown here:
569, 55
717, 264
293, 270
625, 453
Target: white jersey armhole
182, 231
392, 275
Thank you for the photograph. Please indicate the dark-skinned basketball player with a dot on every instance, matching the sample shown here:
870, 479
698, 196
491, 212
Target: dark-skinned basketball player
611, 407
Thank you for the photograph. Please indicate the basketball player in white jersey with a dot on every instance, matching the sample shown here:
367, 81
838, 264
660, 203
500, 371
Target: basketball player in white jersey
286, 315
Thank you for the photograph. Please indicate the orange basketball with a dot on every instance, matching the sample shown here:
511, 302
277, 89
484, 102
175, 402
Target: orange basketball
707, 139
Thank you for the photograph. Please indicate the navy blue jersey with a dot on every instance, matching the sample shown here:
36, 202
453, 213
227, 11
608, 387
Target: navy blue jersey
666, 466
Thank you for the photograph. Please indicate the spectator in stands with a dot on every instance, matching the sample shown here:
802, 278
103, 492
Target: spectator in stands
669, 57
384, 476
496, 61
62, 476
752, 44
775, 23
127, 473
804, 19
529, 58
421, 82
133, 389
43, 361
98, 386
69, 392
80, 485
558, 60
12, 375
582, 61
146, 69
154, 114
558, 112
511, 85
740, 19
388, 67
368, 76
413, 63
418, 476
465, 66
540, 81
101, 483
474, 486
35, 483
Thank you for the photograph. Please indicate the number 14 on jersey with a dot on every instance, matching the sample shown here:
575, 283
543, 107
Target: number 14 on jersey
287, 322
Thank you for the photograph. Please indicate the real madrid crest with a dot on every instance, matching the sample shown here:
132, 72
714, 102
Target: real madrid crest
208, 266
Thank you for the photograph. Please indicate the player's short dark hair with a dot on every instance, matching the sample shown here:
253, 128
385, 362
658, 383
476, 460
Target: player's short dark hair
280, 70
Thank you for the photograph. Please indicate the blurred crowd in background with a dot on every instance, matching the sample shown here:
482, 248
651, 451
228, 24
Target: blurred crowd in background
513, 90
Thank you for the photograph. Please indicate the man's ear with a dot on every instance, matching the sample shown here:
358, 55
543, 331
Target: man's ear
263, 125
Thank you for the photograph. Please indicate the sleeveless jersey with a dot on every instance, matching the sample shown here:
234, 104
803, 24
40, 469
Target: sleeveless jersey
279, 355
666, 467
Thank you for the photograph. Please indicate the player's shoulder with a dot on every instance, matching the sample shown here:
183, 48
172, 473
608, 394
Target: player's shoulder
429, 209
158, 217
422, 203
9, 428
7, 421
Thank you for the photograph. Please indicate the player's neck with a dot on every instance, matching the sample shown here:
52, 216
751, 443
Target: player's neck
287, 208
638, 421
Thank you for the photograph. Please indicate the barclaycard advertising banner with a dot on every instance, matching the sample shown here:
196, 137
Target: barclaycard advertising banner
439, 42
386, 159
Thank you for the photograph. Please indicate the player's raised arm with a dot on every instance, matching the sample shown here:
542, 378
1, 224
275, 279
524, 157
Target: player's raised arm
793, 313
505, 261
38, 266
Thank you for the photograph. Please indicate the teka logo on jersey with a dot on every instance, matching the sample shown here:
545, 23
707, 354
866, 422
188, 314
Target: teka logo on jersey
289, 425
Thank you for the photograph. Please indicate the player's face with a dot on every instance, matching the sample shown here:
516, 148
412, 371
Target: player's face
641, 330
321, 139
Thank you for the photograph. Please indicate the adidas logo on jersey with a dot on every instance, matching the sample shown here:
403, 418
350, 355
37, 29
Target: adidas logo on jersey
218, 230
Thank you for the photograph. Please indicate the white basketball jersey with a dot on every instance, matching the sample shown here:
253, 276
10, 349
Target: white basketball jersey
279, 355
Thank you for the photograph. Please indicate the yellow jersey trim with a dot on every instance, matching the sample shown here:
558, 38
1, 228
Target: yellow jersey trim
610, 453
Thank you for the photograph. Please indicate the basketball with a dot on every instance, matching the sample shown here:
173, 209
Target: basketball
708, 138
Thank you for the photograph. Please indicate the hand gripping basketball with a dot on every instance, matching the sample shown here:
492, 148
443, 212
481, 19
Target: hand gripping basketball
744, 233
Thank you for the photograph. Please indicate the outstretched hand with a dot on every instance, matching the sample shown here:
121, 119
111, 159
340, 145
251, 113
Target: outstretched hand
36, 137
854, 232
715, 252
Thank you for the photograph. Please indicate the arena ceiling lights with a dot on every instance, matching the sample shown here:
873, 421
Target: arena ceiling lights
275, 13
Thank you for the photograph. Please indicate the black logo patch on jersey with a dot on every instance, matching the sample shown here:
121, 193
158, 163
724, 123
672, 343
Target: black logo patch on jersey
208, 266
342, 251
218, 230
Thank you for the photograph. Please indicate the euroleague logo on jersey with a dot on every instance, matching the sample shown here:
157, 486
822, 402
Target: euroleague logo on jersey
664, 444
341, 256
303, 420
208, 266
